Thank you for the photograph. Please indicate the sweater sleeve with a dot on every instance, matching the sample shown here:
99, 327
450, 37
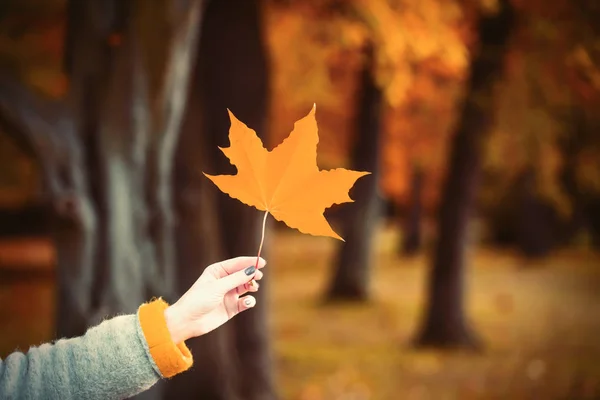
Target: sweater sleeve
117, 359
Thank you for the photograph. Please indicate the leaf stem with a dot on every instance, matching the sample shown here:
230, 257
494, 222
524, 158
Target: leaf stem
262, 239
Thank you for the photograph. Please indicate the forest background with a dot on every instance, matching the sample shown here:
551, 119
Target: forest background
470, 267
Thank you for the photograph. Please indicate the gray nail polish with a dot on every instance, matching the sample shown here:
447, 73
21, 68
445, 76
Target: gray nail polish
250, 270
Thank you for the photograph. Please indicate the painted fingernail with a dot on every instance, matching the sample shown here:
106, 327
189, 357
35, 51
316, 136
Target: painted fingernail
248, 302
250, 270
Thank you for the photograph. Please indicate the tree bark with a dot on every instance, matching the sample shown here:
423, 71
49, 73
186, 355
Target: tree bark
128, 102
351, 276
235, 76
232, 72
199, 245
412, 240
445, 324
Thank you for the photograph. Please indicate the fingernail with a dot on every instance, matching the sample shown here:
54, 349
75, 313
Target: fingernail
250, 270
248, 302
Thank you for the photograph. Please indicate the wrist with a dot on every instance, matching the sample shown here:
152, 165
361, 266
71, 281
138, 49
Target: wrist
176, 325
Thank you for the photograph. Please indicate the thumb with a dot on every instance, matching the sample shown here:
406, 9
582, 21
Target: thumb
236, 279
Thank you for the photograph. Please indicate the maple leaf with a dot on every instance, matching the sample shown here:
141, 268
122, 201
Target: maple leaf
285, 182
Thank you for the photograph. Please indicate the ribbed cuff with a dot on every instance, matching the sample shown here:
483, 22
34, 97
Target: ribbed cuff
170, 358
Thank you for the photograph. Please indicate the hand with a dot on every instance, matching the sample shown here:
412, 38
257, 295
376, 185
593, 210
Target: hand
214, 298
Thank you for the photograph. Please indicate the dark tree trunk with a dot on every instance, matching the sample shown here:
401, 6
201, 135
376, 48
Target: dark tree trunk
235, 76
199, 245
351, 276
106, 152
536, 219
593, 212
231, 74
412, 240
444, 323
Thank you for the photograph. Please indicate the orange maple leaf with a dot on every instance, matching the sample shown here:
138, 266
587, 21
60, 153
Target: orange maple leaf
285, 182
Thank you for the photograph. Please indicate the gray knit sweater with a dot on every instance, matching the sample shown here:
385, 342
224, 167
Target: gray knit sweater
111, 361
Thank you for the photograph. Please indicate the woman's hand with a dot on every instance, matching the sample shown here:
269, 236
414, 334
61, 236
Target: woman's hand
214, 298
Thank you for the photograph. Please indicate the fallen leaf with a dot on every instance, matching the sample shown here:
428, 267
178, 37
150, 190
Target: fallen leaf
285, 182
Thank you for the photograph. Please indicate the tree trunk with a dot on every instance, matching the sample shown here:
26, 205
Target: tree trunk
235, 76
199, 245
444, 322
231, 73
351, 276
535, 218
411, 240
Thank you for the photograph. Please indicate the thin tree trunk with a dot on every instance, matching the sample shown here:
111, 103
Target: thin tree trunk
412, 240
444, 323
351, 276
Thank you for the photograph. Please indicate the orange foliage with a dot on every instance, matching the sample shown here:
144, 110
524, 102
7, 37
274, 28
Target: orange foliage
421, 59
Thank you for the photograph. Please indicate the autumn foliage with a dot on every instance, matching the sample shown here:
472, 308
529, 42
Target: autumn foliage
421, 55
421, 58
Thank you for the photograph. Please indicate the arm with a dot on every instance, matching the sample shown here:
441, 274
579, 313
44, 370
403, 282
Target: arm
117, 359
126, 355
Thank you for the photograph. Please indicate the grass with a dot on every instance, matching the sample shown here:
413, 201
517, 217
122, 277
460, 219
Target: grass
540, 323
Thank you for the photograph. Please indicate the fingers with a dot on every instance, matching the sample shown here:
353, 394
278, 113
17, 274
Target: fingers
233, 265
236, 279
247, 287
251, 286
245, 303
258, 276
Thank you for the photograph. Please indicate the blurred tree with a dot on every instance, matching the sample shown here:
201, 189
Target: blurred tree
231, 73
350, 279
418, 135
419, 64
412, 238
533, 194
104, 145
444, 323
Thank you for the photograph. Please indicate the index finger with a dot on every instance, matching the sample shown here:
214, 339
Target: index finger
227, 267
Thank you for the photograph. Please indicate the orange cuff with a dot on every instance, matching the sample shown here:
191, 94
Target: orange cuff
169, 357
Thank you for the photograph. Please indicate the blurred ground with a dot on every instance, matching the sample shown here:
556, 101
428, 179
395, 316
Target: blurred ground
540, 322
